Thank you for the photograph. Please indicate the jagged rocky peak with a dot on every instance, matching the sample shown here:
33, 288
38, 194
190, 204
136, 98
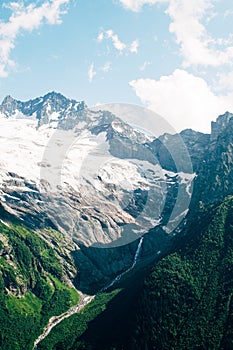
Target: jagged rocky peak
9, 106
51, 107
8, 100
59, 102
220, 125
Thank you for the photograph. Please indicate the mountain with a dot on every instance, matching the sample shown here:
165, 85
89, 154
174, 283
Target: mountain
216, 172
91, 176
185, 301
90, 203
196, 143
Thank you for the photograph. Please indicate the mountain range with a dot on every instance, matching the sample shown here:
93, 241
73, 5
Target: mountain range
90, 203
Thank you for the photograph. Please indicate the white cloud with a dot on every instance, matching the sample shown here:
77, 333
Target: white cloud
196, 45
136, 5
91, 72
186, 101
134, 46
117, 42
26, 18
3, 73
106, 67
225, 82
100, 37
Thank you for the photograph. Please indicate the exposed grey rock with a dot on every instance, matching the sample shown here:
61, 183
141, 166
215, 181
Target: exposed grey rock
220, 125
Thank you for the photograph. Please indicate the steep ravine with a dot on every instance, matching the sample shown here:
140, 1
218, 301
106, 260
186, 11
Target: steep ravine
85, 300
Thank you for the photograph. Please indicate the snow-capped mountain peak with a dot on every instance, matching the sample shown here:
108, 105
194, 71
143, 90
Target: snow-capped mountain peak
47, 109
93, 175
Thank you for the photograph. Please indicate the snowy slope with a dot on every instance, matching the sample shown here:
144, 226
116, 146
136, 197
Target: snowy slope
88, 173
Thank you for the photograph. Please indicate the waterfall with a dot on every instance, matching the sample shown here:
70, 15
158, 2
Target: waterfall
117, 278
137, 253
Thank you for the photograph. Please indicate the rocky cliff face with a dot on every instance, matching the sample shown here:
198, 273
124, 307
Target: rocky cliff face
195, 143
215, 178
220, 125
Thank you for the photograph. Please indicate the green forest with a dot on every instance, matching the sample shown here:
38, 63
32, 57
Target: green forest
32, 287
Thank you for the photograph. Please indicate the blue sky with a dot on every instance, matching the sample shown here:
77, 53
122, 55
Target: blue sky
173, 56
